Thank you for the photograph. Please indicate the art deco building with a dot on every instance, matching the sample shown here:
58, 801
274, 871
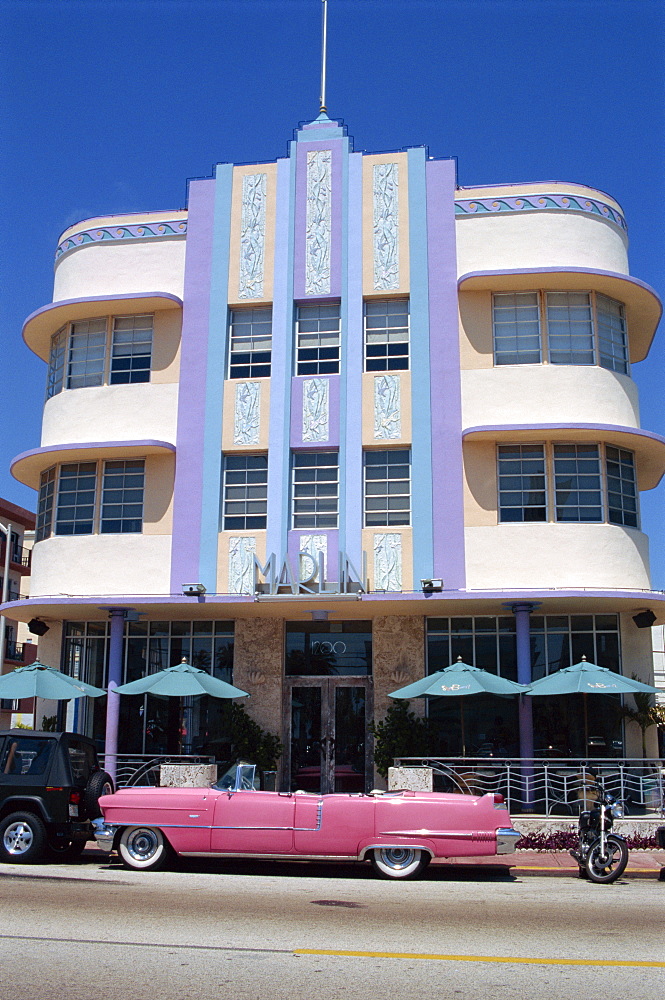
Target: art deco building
334, 425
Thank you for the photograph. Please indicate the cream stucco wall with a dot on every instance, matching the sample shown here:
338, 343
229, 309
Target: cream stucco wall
548, 394
637, 658
407, 553
111, 413
539, 239
223, 543
158, 499
109, 268
548, 556
108, 565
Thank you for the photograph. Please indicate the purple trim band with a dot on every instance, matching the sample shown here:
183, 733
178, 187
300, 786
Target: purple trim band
445, 385
65, 303
561, 270
97, 445
606, 428
143, 231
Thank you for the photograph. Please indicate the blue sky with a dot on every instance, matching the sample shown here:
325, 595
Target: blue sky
112, 105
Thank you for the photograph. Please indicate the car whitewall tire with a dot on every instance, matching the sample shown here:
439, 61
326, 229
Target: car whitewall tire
399, 862
143, 847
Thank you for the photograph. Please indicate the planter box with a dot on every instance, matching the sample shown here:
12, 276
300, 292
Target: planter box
187, 775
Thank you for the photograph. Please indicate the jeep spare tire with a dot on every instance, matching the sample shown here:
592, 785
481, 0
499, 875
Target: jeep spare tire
100, 783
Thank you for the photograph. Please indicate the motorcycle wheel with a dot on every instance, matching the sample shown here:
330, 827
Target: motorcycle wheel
606, 866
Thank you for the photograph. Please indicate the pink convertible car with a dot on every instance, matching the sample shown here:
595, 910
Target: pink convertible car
399, 832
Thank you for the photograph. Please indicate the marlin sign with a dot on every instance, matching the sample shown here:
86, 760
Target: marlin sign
309, 577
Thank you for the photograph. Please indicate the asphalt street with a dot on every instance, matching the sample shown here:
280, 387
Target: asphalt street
239, 929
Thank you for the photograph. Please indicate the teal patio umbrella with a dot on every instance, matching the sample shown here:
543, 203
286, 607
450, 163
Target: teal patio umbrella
457, 681
39, 681
182, 681
586, 678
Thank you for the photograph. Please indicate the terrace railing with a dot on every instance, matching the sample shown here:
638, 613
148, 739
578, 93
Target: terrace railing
555, 787
143, 769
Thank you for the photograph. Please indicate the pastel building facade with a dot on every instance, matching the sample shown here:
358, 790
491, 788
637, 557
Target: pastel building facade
334, 425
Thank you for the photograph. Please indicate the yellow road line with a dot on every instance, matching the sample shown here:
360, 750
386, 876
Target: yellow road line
507, 959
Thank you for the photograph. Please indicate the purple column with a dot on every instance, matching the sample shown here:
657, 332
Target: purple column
523, 635
117, 630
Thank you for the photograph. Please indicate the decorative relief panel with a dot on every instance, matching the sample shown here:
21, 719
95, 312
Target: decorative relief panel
388, 562
247, 413
241, 564
315, 409
313, 545
252, 236
386, 226
318, 235
387, 407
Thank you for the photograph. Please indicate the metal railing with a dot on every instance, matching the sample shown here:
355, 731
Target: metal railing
14, 650
18, 554
560, 787
143, 768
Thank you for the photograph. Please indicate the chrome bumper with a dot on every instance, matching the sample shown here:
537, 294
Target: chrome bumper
506, 838
104, 834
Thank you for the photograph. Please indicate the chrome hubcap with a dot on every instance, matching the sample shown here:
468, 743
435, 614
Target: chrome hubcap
18, 838
142, 844
397, 857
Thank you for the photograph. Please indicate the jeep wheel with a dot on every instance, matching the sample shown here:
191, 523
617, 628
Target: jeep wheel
100, 783
22, 838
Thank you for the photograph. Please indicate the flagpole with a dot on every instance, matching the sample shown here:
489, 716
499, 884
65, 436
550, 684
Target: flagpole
324, 48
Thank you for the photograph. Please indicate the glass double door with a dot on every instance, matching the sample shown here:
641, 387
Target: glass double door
328, 744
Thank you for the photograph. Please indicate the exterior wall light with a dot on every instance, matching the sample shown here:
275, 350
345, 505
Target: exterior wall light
431, 586
193, 589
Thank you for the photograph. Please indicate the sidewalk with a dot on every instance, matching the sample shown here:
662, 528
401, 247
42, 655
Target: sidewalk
641, 864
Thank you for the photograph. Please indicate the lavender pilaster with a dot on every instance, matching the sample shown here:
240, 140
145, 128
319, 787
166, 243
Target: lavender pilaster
523, 636
117, 629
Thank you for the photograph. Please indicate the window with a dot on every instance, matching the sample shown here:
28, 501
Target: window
245, 492
386, 335
250, 342
387, 488
516, 329
131, 350
567, 328
45, 504
75, 510
320, 649
315, 490
570, 328
317, 339
621, 487
577, 487
110, 350
73, 501
122, 497
522, 495
567, 483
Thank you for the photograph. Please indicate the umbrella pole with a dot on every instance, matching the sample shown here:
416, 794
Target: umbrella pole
586, 725
461, 715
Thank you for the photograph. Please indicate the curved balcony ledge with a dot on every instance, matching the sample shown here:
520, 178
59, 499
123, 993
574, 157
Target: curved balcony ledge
40, 326
28, 466
649, 448
643, 306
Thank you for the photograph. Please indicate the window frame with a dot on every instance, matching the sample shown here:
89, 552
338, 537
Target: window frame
371, 518
50, 518
59, 376
251, 363
318, 515
320, 364
249, 518
372, 364
614, 334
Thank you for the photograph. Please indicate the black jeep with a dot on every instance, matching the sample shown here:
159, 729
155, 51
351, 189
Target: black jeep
50, 784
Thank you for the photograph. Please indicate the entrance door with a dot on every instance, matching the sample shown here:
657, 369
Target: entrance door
328, 739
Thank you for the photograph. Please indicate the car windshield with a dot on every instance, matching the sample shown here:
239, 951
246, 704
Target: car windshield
239, 777
26, 755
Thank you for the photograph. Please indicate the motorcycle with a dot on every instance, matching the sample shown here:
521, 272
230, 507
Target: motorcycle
602, 856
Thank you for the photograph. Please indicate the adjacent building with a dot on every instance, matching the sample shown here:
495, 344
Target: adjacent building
334, 425
18, 647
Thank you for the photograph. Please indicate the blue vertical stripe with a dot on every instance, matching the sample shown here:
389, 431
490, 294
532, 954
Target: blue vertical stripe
421, 433
282, 360
214, 388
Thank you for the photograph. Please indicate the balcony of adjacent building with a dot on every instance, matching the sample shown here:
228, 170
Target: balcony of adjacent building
20, 558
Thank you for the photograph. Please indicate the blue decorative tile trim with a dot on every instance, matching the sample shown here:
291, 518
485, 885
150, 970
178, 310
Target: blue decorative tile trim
141, 231
536, 202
